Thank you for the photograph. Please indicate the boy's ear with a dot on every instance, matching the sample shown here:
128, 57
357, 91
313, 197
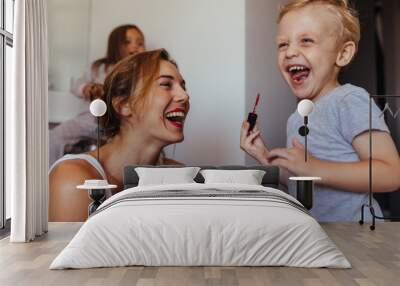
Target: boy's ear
122, 106
346, 54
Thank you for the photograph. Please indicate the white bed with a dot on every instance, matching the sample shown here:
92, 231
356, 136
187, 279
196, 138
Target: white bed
250, 225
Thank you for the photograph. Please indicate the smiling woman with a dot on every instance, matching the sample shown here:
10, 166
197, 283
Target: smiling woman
147, 105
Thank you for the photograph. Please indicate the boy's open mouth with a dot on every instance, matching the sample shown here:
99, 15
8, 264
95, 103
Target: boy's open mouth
176, 117
298, 73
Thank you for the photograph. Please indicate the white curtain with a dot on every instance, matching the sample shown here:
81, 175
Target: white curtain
26, 123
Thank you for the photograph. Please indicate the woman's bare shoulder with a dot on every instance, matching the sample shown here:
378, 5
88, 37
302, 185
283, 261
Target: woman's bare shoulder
66, 202
73, 171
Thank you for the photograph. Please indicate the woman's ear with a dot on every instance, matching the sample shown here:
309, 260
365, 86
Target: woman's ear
122, 106
346, 54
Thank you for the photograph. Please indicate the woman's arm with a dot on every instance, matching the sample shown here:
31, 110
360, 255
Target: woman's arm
79, 85
66, 202
348, 176
96, 74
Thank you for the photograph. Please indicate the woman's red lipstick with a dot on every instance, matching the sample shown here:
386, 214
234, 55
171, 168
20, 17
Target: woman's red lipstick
177, 123
178, 109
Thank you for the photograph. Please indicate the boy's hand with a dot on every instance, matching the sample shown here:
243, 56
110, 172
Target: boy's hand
252, 143
292, 159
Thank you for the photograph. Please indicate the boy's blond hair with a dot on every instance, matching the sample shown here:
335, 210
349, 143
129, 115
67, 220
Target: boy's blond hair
347, 16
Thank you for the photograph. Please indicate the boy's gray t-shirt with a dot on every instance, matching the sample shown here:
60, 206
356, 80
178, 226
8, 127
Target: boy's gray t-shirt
337, 119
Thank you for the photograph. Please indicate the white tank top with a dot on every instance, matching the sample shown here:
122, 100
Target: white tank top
90, 159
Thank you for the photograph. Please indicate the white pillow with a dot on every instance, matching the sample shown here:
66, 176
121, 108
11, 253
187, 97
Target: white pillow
162, 176
248, 177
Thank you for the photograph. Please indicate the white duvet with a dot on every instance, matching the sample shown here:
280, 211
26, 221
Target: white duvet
200, 231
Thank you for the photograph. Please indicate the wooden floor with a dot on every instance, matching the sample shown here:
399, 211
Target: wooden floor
374, 255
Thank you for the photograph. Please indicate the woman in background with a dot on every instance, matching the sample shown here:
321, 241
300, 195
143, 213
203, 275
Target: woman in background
147, 104
123, 41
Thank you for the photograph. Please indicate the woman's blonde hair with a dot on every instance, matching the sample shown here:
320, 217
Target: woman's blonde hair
347, 16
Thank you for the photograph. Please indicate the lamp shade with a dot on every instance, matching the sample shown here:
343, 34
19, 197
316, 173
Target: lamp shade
98, 107
305, 107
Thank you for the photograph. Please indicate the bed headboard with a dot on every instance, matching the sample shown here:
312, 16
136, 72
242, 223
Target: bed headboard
270, 179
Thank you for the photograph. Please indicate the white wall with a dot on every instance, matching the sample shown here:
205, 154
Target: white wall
68, 31
262, 74
207, 39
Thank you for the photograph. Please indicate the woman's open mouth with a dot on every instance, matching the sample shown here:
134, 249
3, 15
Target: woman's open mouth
298, 73
176, 117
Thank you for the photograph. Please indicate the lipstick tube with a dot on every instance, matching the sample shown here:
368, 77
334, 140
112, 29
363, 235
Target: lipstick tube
251, 119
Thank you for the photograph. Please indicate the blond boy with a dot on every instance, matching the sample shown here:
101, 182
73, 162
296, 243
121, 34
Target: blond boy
315, 40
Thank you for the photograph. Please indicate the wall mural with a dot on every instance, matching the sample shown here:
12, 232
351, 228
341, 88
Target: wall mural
172, 98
